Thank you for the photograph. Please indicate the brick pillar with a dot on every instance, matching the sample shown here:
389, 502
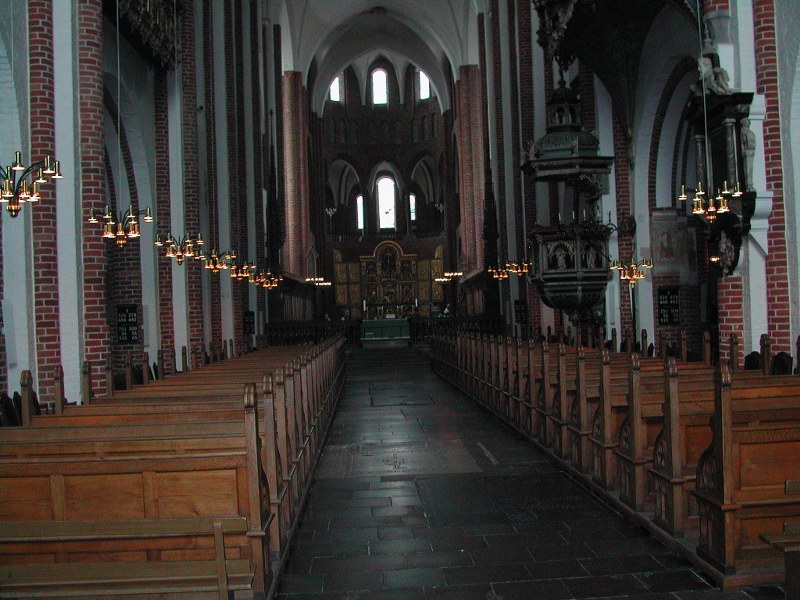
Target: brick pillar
471, 152
295, 174
163, 219
234, 91
730, 298
622, 174
215, 299
778, 309
496, 50
90, 73
45, 249
527, 135
191, 178
258, 157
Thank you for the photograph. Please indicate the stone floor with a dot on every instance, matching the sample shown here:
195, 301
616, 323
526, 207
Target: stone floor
422, 495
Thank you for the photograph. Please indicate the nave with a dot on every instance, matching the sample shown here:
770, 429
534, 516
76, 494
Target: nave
420, 494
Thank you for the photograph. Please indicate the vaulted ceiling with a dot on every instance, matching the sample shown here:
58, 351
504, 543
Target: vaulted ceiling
324, 36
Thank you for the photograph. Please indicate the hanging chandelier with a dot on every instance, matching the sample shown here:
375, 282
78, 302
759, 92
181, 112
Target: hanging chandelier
448, 276
21, 183
180, 249
632, 272
318, 281
122, 227
710, 208
217, 261
243, 271
265, 279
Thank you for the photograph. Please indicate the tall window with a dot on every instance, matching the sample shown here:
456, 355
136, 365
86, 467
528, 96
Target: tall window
380, 92
412, 206
335, 90
424, 86
386, 195
360, 212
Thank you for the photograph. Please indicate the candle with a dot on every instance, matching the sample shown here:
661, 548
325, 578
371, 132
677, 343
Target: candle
416, 302
364, 304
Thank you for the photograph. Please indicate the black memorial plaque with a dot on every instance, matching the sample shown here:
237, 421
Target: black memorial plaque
249, 322
521, 311
669, 306
127, 323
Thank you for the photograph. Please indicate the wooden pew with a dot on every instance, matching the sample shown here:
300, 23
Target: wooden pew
195, 561
745, 487
315, 381
119, 473
788, 542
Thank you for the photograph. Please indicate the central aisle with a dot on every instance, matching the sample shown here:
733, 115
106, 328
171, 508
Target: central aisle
420, 495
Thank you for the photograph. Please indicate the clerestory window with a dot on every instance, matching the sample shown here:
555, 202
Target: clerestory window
360, 212
335, 91
380, 87
386, 202
424, 86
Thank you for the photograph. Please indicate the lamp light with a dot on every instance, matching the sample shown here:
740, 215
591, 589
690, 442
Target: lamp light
21, 184
632, 272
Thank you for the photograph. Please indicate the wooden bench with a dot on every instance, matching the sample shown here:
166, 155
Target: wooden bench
118, 458
685, 435
193, 553
788, 542
746, 486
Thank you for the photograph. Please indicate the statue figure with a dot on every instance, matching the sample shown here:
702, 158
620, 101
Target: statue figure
712, 80
727, 253
748, 141
590, 257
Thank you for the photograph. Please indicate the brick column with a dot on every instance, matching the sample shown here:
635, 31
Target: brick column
295, 174
258, 157
471, 152
164, 219
191, 178
499, 136
215, 299
90, 73
234, 91
730, 296
622, 174
45, 250
528, 134
778, 309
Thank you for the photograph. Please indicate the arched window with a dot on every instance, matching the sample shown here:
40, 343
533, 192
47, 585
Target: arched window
335, 91
380, 87
360, 212
424, 86
412, 206
386, 196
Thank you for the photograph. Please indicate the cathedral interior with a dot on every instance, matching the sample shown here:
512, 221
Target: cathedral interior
186, 181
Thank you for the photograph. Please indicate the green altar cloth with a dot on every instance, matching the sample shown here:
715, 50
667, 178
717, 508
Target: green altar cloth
385, 329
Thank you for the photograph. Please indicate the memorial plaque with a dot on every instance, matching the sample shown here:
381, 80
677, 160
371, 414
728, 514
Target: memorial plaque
127, 323
521, 311
249, 322
669, 306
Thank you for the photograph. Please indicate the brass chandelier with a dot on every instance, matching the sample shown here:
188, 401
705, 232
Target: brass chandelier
632, 272
21, 183
448, 276
124, 226
266, 279
180, 249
